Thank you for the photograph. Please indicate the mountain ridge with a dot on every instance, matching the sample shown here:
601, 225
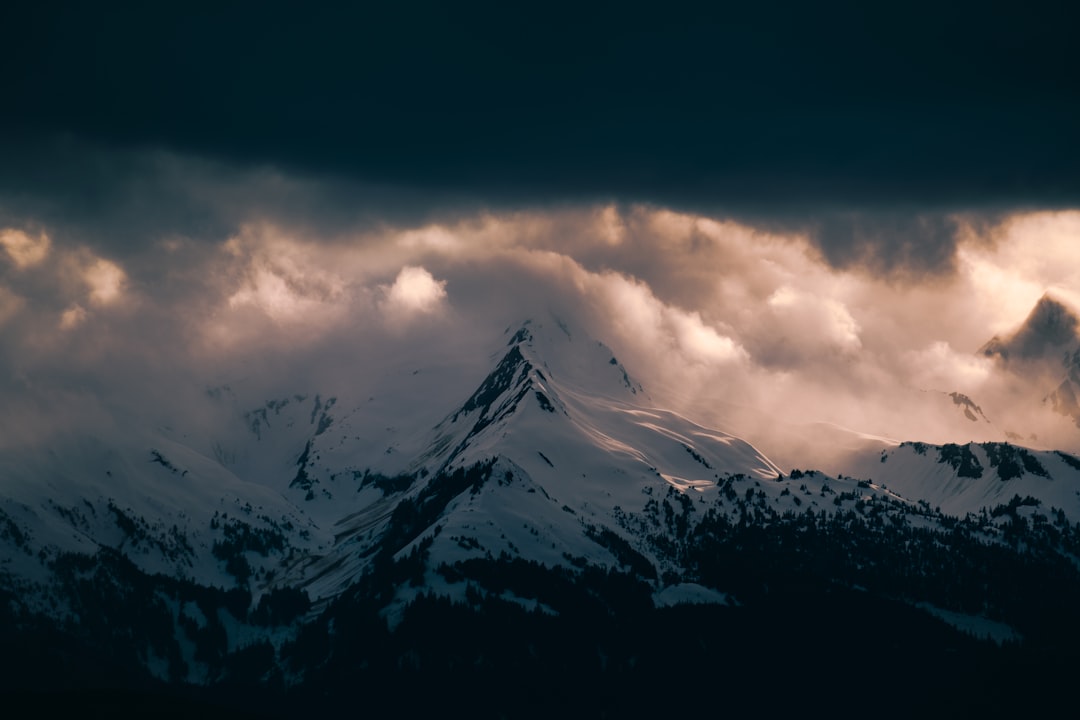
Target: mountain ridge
1050, 326
533, 498
1045, 351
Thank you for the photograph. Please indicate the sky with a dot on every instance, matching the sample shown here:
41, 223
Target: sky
814, 212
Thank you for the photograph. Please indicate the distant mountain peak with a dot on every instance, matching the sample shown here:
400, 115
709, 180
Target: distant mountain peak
971, 411
1050, 326
1052, 319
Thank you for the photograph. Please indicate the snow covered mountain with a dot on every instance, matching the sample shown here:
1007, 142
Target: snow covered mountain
1045, 351
293, 496
1049, 329
273, 541
962, 479
564, 447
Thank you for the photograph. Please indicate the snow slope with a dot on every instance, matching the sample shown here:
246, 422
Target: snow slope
555, 456
963, 479
566, 460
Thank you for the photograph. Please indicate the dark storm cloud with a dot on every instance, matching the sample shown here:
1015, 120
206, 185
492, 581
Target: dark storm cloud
917, 242
120, 199
789, 110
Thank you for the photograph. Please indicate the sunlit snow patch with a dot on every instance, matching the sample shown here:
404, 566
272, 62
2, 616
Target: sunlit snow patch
682, 484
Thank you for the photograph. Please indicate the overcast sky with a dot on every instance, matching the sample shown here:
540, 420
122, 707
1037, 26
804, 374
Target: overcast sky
821, 211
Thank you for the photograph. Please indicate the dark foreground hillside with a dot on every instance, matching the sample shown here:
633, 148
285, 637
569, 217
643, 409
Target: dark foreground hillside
822, 619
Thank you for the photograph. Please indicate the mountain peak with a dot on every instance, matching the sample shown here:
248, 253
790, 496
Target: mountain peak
541, 366
570, 356
1048, 327
1052, 319
548, 335
513, 374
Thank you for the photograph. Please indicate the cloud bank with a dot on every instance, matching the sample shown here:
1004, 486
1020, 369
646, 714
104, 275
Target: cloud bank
763, 110
751, 328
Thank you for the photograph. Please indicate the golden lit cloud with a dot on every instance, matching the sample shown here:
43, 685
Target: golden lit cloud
814, 320
641, 319
106, 281
24, 249
415, 290
706, 313
72, 317
703, 341
1032, 253
270, 293
288, 280
939, 366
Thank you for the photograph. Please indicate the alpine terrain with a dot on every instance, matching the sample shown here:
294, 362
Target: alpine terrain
551, 541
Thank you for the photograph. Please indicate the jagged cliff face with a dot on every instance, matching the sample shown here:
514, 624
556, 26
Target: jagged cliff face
1049, 330
1044, 354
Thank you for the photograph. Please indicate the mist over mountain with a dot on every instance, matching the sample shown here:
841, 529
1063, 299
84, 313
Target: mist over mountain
281, 456
1046, 333
288, 543
1044, 354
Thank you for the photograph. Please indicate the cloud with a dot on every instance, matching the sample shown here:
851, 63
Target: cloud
940, 366
908, 241
829, 108
270, 292
414, 290
10, 305
72, 317
1026, 256
740, 325
267, 285
807, 324
106, 280
24, 249
635, 315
